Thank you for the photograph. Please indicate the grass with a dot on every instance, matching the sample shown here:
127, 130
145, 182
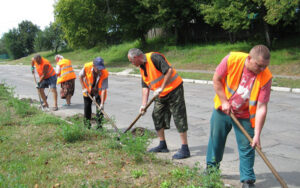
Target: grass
41, 150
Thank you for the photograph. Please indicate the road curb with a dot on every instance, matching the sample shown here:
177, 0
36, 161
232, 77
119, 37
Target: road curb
273, 88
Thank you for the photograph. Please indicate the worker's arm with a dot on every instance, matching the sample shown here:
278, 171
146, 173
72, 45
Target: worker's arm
81, 77
145, 95
220, 91
32, 65
260, 117
103, 93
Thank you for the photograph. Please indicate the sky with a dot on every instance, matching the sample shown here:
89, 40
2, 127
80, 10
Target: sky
13, 12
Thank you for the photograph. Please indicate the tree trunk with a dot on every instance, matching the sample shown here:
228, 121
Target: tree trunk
143, 40
267, 34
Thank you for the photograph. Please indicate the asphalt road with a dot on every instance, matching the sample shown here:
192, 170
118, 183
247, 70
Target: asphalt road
280, 136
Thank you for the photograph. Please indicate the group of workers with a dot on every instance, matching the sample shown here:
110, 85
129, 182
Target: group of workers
242, 82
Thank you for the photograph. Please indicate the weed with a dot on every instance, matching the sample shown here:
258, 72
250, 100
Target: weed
137, 173
43, 119
5, 118
166, 184
135, 146
177, 173
71, 132
22, 108
3, 138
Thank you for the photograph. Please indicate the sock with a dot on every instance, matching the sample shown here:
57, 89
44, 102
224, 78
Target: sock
162, 144
184, 147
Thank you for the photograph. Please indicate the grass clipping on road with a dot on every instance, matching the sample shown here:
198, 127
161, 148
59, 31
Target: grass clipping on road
41, 150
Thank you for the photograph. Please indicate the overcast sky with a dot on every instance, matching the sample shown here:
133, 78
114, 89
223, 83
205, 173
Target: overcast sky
13, 12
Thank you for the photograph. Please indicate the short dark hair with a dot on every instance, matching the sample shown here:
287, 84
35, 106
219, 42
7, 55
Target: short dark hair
37, 58
260, 51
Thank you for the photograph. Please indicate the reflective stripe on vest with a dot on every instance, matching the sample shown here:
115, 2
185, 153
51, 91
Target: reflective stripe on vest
155, 78
66, 72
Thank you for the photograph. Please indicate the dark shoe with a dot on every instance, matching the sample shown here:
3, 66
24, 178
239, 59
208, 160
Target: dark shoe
181, 154
159, 149
248, 184
54, 108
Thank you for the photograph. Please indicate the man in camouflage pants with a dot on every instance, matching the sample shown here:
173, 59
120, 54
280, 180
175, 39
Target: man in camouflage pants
158, 75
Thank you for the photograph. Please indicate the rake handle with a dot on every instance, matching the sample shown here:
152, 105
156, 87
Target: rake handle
262, 155
140, 114
39, 92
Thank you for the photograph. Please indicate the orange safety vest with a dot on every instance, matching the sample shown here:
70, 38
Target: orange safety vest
235, 66
89, 79
66, 71
40, 68
155, 78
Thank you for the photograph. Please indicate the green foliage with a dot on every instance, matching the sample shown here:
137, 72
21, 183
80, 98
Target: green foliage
22, 107
6, 118
137, 173
43, 119
72, 132
283, 10
84, 23
166, 184
20, 42
135, 146
232, 15
51, 38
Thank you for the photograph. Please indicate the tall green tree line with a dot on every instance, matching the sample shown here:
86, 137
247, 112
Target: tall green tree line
90, 22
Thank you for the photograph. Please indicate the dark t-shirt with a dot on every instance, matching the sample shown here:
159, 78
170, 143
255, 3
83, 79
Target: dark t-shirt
160, 64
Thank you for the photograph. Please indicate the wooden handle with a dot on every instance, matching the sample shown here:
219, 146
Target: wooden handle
268, 163
140, 114
39, 92
105, 114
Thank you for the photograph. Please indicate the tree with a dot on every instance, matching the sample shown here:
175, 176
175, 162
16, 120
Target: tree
13, 44
234, 16
20, 42
176, 16
136, 18
50, 39
84, 22
231, 15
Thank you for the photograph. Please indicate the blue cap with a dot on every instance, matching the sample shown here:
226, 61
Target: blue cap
98, 62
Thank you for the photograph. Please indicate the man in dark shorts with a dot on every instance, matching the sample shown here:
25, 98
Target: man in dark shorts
66, 77
94, 82
158, 75
47, 78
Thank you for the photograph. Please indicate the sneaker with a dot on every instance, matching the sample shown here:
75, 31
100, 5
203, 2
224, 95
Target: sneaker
248, 184
65, 105
181, 154
159, 149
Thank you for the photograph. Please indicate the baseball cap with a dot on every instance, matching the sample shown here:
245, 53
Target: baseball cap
98, 62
